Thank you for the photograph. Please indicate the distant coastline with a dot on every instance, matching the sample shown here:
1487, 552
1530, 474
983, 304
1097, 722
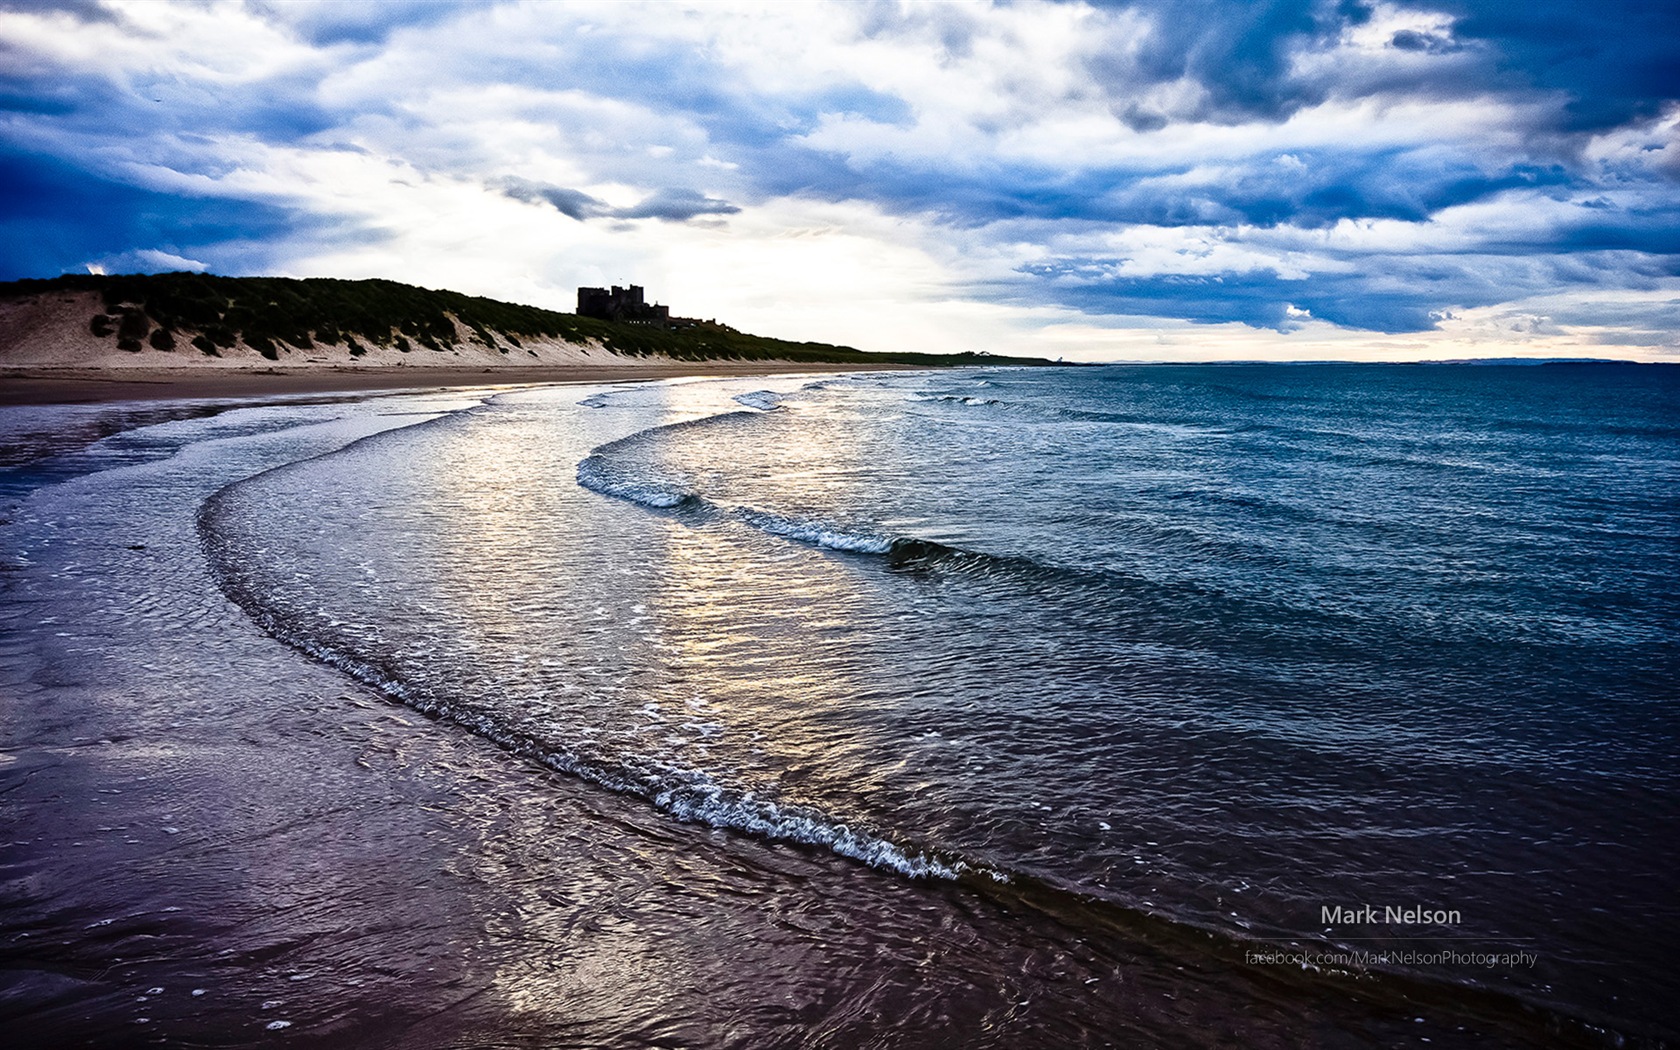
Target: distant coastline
68, 336
97, 337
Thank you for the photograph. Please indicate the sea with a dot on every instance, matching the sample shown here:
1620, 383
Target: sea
1200, 705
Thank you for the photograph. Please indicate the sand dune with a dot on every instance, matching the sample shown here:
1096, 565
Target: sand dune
49, 352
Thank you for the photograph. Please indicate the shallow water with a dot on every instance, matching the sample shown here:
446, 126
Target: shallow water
1082, 685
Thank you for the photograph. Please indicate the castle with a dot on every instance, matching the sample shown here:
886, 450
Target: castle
622, 304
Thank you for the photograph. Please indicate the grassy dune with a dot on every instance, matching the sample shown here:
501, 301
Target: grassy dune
183, 311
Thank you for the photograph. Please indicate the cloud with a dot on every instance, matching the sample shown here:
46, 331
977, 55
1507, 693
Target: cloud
677, 205
1417, 40
80, 10
330, 22
1291, 166
56, 217
669, 205
574, 204
146, 260
1614, 60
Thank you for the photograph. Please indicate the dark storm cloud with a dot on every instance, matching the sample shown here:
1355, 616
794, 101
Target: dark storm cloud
1617, 60
1239, 52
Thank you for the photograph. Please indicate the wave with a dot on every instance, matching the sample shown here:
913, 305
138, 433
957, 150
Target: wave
688, 794
763, 400
902, 553
1061, 413
695, 796
1154, 606
817, 533
598, 474
721, 807
601, 471
955, 399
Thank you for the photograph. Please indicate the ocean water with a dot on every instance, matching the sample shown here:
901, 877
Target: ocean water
1172, 656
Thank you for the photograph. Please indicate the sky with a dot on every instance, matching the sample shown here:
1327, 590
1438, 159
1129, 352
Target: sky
1155, 180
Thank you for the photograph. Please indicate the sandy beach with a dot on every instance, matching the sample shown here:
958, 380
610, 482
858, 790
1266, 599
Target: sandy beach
44, 386
49, 355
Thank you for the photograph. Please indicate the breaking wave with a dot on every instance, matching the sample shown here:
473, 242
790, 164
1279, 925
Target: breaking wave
599, 474
1062, 414
763, 400
688, 794
817, 533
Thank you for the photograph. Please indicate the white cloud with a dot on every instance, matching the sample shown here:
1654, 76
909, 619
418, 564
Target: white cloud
145, 260
984, 143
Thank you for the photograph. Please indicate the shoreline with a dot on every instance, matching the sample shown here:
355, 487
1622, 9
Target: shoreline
49, 386
223, 836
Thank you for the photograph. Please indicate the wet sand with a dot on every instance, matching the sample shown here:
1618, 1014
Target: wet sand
38, 386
